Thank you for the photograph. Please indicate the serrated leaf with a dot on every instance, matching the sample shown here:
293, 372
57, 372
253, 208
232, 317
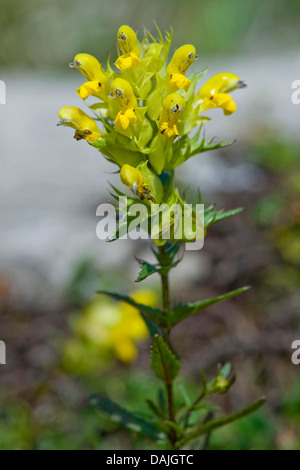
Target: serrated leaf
163, 361
150, 315
211, 216
217, 423
206, 145
182, 312
126, 418
147, 270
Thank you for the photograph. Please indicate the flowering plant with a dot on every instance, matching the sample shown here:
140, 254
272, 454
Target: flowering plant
148, 120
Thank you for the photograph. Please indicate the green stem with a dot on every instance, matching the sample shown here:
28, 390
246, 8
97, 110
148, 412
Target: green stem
166, 310
190, 410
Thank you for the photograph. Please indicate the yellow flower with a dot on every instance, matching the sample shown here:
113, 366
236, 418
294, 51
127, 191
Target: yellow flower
132, 327
173, 106
89, 66
177, 68
128, 43
85, 127
134, 179
97, 88
122, 91
125, 118
105, 326
214, 94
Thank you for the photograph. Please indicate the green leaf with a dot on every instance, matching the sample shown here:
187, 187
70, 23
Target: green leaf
185, 395
155, 409
163, 361
224, 371
126, 418
150, 315
147, 270
205, 407
182, 312
211, 216
217, 423
205, 146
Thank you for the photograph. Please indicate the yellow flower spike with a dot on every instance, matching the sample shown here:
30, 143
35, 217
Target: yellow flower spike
214, 94
173, 106
122, 91
89, 66
134, 179
85, 127
177, 68
128, 43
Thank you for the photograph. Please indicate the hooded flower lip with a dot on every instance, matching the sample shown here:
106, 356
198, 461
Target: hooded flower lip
134, 179
173, 106
89, 66
85, 127
98, 84
122, 91
214, 94
183, 58
128, 43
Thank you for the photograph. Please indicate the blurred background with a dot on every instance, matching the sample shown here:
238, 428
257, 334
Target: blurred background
63, 342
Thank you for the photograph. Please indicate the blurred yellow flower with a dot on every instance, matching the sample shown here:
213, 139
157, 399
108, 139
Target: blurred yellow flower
106, 328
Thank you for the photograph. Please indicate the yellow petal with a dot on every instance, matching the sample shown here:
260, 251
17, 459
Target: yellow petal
169, 130
94, 88
127, 61
121, 121
177, 80
125, 350
220, 100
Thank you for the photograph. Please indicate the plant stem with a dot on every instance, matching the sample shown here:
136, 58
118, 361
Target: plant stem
190, 410
166, 310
